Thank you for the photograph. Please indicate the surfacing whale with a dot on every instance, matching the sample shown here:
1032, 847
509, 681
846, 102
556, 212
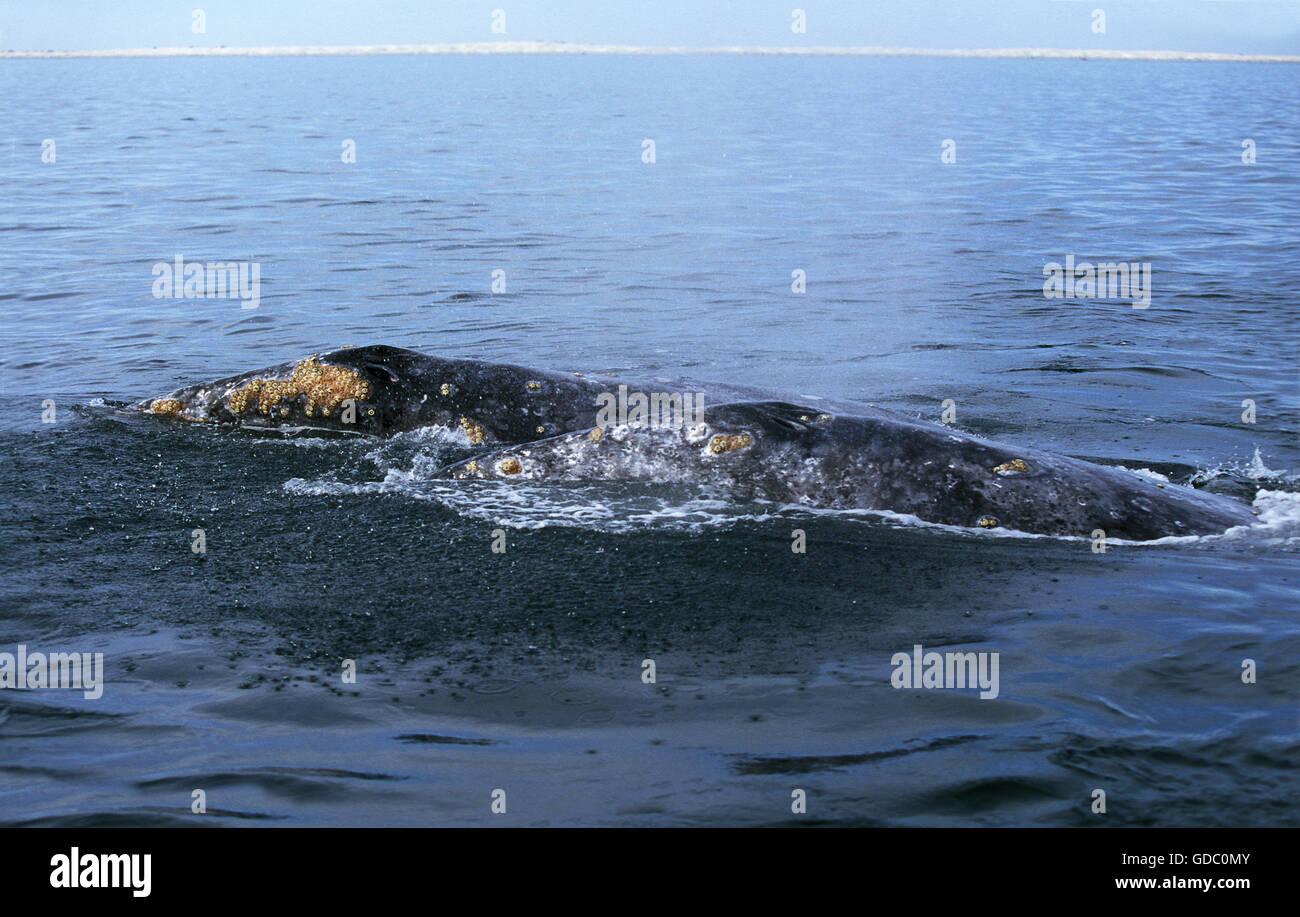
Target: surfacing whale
380, 390
768, 450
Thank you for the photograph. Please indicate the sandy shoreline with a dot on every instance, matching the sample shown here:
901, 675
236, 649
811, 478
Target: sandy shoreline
546, 47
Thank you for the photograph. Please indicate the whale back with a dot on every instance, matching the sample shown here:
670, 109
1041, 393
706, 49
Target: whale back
391, 389
794, 454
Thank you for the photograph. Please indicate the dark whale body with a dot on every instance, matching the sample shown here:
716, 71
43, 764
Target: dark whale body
881, 461
753, 450
396, 389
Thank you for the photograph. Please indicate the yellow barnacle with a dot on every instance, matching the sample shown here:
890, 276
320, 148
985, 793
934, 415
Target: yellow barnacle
1015, 466
370, 412
167, 406
472, 467
595, 434
533, 386
730, 442
445, 388
988, 522
325, 387
475, 431
541, 429
510, 466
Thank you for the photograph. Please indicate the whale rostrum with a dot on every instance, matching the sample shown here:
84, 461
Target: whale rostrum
551, 427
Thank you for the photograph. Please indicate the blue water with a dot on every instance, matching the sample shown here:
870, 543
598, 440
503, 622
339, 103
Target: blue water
924, 283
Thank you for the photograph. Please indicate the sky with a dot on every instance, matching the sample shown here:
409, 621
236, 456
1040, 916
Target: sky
1244, 26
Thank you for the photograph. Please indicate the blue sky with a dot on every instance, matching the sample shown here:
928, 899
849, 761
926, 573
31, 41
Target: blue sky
1249, 26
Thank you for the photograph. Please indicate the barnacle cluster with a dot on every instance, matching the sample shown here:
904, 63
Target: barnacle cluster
1015, 466
595, 434
533, 386
510, 466
474, 430
988, 522
325, 387
167, 406
730, 442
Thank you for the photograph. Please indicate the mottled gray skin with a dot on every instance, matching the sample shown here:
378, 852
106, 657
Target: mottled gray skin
778, 452
880, 462
406, 391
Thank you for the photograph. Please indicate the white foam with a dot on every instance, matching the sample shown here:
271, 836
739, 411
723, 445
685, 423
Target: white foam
1278, 522
433, 446
528, 506
1147, 473
1254, 470
300, 442
627, 507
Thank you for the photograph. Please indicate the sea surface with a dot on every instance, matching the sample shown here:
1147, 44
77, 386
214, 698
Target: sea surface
523, 671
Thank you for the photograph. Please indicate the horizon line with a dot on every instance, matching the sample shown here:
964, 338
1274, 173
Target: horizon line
558, 47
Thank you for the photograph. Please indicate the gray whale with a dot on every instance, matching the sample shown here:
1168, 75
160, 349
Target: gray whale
393, 389
546, 427
881, 461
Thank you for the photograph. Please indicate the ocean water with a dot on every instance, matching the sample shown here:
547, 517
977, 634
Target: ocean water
522, 671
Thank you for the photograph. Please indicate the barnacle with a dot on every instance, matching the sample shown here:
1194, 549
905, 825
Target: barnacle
823, 418
324, 387
730, 442
475, 431
1012, 467
445, 388
510, 466
595, 434
533, 386
167, 406
988, 522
